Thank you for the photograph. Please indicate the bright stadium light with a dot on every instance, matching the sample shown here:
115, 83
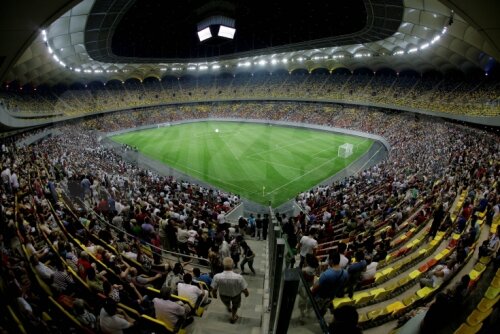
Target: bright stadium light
262, 62
204, 34
215, 67
274, 61
202, 67
226, 32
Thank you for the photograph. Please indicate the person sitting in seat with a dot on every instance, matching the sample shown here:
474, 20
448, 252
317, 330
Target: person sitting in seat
438, 275
172, 313
194, 294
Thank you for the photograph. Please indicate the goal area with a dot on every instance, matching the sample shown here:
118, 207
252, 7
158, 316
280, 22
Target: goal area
345, 150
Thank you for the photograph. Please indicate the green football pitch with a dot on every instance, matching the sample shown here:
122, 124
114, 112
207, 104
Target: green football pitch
259, 162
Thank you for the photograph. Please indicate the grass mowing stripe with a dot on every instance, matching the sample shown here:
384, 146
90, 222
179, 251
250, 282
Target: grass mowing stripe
243, 157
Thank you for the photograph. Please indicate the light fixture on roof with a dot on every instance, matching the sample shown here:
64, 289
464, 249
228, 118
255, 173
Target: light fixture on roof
225, 27
204, 34
226, 32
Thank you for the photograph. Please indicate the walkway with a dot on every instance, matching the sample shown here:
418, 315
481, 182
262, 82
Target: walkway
216, 317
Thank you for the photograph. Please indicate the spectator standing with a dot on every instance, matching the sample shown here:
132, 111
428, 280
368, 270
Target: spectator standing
330, 284
248, 257
307, 245
258, 227
265, 226
230, 286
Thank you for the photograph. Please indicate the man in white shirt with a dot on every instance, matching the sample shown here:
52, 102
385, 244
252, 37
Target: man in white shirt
169, 311
191, 292
370, 271
230, 285
221, 218
44, 271
307, 245
114, 320
438, 275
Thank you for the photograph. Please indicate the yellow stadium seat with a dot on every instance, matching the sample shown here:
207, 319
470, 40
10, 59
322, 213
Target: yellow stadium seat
394, 307
438, 256
397, 266
337, 302
477, 317
424, 292
495, 282
410, 299
414, 274
379, 294
485, 260
492, 292
372, 315
386, 272
362, 298
479, 267
422, 251
379, 277
445, 252
403, 281
486, 304
474, 275
466, 329
363, 318
391, 287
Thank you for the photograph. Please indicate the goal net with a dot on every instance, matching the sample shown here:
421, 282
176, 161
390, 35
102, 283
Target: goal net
345, 150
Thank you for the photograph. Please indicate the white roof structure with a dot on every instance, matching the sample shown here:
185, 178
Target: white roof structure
425, 40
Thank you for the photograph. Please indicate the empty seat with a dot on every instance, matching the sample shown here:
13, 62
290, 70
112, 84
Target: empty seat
362, 298
466, 329
337, 302
395, 307
486, 304
424, 292
375, 314
415, 274
410, 300
379, 294
477, 317
492, 292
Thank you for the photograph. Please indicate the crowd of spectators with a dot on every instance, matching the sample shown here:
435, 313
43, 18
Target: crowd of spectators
73, 182
438, 94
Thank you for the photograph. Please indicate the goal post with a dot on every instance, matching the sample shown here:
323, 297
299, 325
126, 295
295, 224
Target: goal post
345, 150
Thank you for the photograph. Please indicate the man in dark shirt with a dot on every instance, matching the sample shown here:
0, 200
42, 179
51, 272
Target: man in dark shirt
330, 284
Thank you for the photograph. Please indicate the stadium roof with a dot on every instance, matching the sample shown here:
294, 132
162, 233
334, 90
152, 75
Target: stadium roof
71, 41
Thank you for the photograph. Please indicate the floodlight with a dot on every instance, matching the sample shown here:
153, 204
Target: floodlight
226, 32
204, 34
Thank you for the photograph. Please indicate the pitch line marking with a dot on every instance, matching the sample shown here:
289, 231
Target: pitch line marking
203, 174
274, 163
300, 176
280, 147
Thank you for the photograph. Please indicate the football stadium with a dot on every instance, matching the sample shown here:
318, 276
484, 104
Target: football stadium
253, 167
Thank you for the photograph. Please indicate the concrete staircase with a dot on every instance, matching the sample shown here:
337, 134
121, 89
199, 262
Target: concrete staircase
216, 317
